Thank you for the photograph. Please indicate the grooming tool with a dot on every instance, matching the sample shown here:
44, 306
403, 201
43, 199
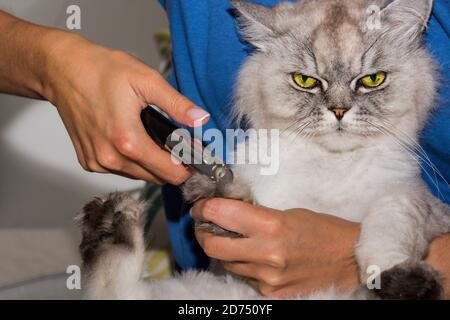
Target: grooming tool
168, 136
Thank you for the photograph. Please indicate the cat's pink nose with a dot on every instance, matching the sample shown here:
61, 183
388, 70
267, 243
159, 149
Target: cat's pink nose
339, 112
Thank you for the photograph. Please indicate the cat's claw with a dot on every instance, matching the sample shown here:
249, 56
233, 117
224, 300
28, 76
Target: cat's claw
200, 187
216, 230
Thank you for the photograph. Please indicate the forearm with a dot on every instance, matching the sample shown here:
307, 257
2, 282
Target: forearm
439, 258
25, 51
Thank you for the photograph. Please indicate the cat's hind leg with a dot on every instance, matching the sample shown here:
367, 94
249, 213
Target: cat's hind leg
112, 247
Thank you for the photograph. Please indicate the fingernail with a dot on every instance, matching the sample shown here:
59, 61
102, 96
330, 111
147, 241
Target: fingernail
198, 114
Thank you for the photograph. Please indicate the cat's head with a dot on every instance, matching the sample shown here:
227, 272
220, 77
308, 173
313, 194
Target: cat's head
336, 71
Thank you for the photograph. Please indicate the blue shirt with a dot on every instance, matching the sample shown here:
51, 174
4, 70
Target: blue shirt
207, 55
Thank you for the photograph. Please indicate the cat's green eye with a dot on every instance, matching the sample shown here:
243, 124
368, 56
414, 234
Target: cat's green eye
374, 80
305, 82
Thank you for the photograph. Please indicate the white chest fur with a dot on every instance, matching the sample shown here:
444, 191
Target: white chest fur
346, 184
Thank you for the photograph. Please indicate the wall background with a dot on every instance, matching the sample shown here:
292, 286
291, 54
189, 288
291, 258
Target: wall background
42, 185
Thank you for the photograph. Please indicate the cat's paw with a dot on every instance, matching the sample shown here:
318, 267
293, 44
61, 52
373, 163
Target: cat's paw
200, 187
410, 281
116, 219
237, 190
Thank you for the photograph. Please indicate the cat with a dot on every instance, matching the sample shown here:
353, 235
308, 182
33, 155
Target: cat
350, 97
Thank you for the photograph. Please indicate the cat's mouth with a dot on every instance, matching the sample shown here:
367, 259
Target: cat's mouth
345, 130
353, 129
342, 129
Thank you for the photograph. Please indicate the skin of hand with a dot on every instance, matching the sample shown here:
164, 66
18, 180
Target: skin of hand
99, 94
439, 258
282, 254
291, 253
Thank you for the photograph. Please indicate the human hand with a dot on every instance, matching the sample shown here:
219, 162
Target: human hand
100, 94
439, 258
282, 254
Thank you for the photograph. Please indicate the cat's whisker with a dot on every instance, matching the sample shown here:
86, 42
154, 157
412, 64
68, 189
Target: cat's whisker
290, 126
299, 124
410, 151
310, 135
294, 123
420, 150
289, 134
301, 129
415, 146
405, 135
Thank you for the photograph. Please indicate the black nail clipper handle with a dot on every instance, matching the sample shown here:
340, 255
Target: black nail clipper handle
158, 127
165, 134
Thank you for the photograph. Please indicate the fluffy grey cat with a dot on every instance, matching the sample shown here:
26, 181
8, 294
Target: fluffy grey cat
350, 96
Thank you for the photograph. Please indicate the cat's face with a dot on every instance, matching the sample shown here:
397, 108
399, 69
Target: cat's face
328, 71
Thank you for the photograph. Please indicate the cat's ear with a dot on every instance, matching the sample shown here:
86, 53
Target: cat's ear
256, 22
407, 19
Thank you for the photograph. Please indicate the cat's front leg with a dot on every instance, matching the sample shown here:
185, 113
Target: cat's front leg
112, 247
394, 240
200, 187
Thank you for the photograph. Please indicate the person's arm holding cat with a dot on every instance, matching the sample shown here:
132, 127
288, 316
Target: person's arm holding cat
295, 252
99, 94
